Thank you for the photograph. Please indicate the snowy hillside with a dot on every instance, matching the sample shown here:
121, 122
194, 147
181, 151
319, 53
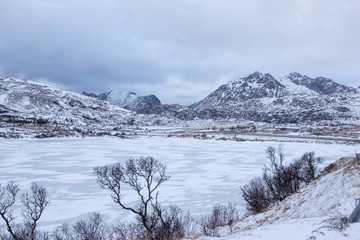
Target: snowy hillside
35, 106
318, 211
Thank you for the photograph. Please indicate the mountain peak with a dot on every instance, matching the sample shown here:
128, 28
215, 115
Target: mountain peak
255, 75
256, 85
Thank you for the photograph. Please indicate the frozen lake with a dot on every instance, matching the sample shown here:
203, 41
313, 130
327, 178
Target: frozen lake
203, 173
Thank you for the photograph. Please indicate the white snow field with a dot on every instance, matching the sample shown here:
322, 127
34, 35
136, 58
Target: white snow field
203, 172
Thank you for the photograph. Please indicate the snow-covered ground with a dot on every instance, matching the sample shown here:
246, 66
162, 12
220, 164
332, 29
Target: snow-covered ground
203, 173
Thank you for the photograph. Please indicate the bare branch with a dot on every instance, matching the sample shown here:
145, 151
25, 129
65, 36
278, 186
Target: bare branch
7, 199
34, 206
144, 175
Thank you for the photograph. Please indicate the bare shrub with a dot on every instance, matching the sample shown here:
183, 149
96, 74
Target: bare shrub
92, 228
190, 225
220, 216
171, 223
256, 195
309, 171
128, 231
279, 180
63, 232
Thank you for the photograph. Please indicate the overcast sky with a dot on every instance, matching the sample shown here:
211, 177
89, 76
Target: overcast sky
180, 50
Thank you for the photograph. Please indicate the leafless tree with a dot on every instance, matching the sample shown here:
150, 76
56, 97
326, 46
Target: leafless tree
144, 175
7, 200
34, 205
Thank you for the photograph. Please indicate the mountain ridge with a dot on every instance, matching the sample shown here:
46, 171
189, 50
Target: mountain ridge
260, 97
128, 100
292, 99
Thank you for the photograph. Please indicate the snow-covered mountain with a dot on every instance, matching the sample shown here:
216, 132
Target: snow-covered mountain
259, 97
27, 105
128, 100
292, 99
255, 86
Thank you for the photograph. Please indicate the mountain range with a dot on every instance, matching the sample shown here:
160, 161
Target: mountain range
29, 107
294, 98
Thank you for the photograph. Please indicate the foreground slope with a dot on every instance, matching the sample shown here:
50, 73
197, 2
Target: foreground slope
318, 211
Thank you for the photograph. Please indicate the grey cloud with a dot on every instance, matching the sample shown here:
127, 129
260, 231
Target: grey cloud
100, 45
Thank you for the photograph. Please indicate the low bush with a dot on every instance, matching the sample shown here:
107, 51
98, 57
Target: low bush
220, 216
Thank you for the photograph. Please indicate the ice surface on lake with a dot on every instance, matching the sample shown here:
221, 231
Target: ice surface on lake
203, 173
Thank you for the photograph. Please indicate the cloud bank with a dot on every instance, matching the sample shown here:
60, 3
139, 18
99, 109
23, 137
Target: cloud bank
180, 50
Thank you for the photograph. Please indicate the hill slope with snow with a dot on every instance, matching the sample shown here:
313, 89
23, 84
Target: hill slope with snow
35, 106
317, 211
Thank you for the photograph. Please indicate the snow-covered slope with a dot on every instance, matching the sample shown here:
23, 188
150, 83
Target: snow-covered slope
318, 211
46, 100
